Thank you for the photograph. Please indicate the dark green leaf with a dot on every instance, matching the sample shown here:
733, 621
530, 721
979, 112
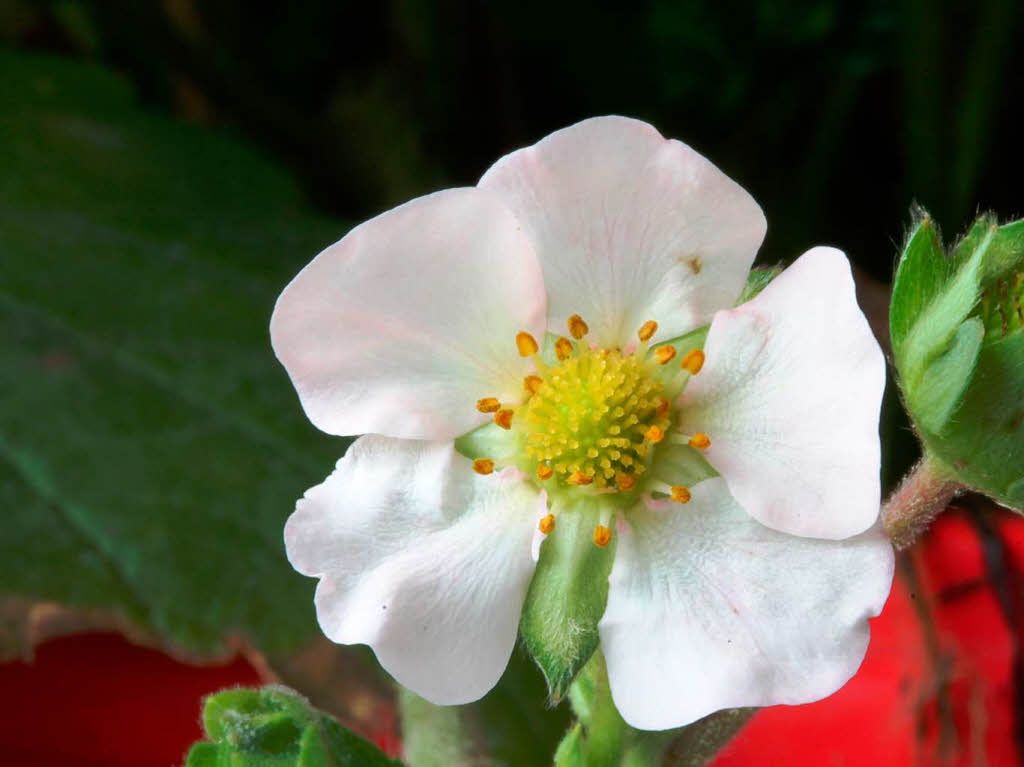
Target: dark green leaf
151, 447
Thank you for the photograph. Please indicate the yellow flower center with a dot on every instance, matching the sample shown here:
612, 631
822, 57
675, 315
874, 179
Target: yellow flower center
588, 420
590, 423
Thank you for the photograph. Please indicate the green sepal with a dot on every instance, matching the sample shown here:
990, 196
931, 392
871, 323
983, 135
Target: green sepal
570, 752
919, 275
274, 727
757, 281
487, 441
958, 344
567, 596
944, 382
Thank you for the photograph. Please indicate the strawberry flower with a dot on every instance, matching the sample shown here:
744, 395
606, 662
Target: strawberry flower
562, 340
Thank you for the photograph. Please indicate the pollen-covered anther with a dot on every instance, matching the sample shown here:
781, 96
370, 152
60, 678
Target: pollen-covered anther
563, 348
577, 327
546, 524
647, 330
680, 494
625, 482
661, 410
664, 354
579, 478
533, 383
602, 535
504, 418
544, 472
700, 440
654, 434
483, 466
693, 361
526, 344
488, 405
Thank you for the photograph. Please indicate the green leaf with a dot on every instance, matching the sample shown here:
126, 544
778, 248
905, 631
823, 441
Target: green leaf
151, 447
567, 598
274, 727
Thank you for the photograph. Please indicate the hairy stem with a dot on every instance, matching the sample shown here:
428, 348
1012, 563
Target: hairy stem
921, 496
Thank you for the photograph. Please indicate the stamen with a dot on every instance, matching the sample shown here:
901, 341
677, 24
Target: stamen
483, 466
533, 383
700, 440
693, 361
488, 405
625, 482
544, 472
503, 418
563, 348
647, 330
577, 327
526, 344
662, 409
680, 494
654, 434
602, 535
664, 354
546, 524
579, 478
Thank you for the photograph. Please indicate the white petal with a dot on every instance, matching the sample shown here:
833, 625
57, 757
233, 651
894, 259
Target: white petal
630, 227
402, 325
790, 396
420, 558
708, 609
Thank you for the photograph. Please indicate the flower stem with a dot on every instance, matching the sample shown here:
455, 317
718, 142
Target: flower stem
921, 496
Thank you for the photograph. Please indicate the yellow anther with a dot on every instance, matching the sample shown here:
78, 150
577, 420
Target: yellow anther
654, 434
647, 330
577, 327
625, 481
483, 466
488, 405
693, 361
579, 478
546, 524
533, 383
544, 472
680, 494
700, 440
503, 418
664, 354
563, 348
526, 344
602, 535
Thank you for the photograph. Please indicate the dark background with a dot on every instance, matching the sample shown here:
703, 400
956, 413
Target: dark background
835, 115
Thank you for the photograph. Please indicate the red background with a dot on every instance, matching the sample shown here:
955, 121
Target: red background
941, 684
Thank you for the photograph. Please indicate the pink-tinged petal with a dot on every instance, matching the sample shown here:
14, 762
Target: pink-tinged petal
629, 227
420, 558
790, 395
399, 328
708, 609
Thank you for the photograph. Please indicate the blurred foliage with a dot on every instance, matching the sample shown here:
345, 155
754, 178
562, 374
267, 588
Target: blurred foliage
147, 435
836, 115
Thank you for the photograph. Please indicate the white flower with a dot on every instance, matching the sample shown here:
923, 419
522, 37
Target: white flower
746, 583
